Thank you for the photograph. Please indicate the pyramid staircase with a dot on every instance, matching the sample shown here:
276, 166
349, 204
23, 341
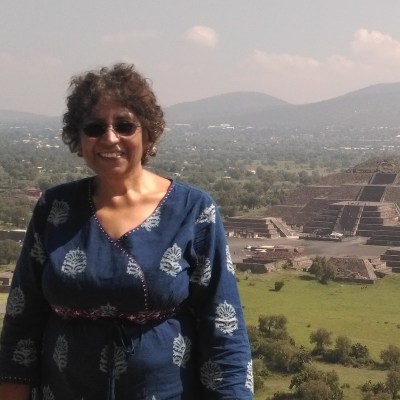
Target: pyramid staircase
392, 259
250, 227
359, 218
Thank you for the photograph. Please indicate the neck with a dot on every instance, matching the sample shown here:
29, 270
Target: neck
108, 187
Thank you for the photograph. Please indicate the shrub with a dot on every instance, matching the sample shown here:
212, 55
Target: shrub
391, 356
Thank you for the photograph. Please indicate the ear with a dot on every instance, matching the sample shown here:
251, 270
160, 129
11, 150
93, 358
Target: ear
79, 150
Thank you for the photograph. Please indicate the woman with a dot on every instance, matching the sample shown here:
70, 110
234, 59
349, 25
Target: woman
124, 288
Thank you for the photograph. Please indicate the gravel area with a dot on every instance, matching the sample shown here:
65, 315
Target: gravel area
354, 246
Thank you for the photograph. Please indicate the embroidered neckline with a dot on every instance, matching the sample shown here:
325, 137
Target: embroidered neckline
140, 226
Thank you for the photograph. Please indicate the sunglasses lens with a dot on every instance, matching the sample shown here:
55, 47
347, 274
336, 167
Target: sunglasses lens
94, 129
125, 128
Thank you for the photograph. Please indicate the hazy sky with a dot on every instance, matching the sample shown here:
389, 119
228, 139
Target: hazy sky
297, 50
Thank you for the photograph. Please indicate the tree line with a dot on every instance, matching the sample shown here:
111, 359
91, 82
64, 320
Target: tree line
274, 350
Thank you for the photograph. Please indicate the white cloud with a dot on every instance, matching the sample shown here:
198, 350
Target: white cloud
201, 35
129, 36
375, 46
283, 60
372, 57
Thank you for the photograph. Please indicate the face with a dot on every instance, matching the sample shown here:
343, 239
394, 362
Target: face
112, 155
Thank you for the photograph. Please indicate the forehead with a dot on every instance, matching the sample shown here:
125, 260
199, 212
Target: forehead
108, 107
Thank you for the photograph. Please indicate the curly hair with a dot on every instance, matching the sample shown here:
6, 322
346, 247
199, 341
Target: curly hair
124, 85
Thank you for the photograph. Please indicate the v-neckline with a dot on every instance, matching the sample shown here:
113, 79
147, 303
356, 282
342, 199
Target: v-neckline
134, 229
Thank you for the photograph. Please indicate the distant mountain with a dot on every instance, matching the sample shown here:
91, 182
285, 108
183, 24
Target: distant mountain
223, 108
376, 105
22, 117
373, 106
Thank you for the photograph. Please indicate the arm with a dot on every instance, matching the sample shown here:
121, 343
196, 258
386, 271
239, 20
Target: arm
224, 351
26, 313
14, 391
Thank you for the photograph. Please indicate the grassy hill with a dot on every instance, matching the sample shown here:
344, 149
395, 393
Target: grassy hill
369, 315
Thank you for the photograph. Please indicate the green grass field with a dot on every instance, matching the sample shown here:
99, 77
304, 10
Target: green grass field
369, 315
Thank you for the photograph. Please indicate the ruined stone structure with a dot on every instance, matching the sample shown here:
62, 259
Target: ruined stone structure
247, 227
274, 258
363, 201
5, 281
356, 269
392, 259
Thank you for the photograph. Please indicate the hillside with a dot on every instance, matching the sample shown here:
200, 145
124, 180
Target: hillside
373, 106
22, 117
369, 108
225, 107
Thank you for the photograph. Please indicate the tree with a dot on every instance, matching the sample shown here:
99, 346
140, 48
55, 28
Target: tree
9, 251
260, 373
342, 349
391, 356
323, 269
359, 354
313, 384
321, 337
286, 357
393, 382
373, 389
273, 326
315, 390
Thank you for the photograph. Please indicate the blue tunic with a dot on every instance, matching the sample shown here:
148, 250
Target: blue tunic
154, 315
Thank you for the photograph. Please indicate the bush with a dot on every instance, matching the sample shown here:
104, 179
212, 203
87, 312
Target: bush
391, 356
279, 285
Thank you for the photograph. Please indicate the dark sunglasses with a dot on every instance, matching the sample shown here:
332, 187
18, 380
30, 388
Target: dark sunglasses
122, 128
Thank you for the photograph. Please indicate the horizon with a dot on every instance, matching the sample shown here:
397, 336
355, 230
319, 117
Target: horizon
222, 94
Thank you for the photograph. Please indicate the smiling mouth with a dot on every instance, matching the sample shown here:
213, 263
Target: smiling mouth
111, 155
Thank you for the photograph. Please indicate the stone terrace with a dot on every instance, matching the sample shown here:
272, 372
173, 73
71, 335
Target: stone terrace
354, 269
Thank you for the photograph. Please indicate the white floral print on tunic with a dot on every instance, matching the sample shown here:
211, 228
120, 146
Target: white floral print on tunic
229, 263
74, 263
58, 213
208, 215
120, 363
226, 320
60, 354
48, 394
153, 221
202, 272
37, 251
181, 350
106, 311
170, 260
134, 269
25, 352
249, 377
210, 375
16, 302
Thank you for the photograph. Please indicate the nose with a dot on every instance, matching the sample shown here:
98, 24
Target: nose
110, 135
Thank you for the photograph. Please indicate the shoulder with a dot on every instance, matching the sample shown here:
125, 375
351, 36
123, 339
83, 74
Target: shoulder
68, 190
192, 193
198, 203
